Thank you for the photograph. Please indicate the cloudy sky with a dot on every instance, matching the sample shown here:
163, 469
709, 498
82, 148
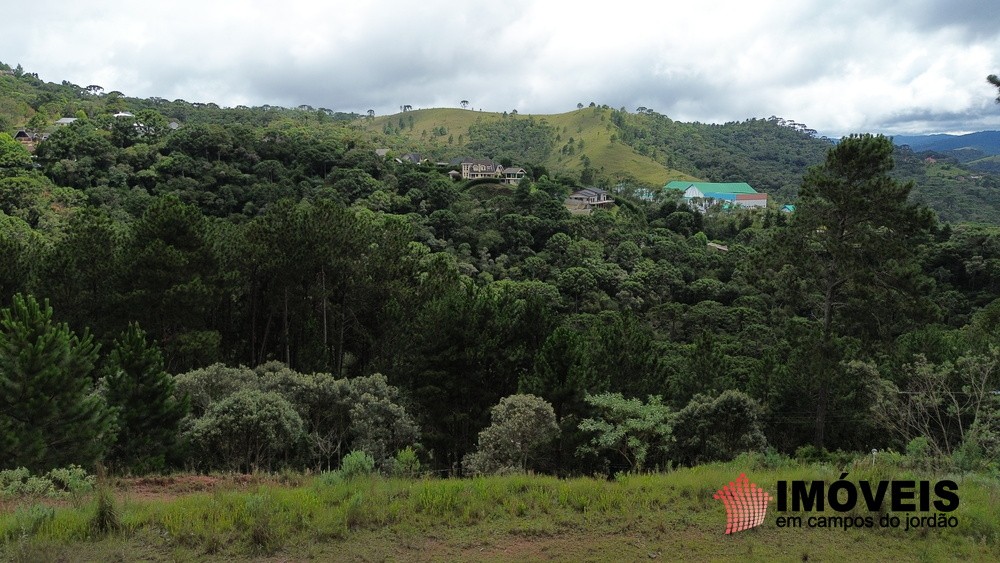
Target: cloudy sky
837, 66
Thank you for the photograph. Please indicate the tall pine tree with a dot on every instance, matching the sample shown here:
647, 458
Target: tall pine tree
142, 394
851, 252
50, 415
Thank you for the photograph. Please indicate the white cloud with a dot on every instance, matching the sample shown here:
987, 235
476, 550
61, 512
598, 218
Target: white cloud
838, 67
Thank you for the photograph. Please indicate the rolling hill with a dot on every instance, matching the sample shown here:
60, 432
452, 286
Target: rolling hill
615, 145
445, 134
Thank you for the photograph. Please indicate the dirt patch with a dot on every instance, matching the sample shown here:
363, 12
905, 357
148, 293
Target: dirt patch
172, 486
158, 488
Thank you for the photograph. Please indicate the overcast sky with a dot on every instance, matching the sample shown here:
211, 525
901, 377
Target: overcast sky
837, 66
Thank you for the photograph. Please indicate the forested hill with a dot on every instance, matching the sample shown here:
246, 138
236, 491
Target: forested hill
595, 145
603, 146
380, 305
31, 103
770, 154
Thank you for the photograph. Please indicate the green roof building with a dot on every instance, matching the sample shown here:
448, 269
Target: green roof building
705, 194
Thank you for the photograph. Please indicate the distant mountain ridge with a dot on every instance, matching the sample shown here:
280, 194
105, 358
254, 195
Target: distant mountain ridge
986, 142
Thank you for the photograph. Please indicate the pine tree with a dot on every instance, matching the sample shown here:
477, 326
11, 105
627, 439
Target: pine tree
50, 415
851, 246
142, 394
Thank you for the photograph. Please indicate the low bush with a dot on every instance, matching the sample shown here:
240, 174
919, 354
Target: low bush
357, 464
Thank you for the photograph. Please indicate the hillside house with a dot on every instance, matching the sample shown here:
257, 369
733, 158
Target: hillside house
474, 168
588, 199
513, 174
702, 195
410, 158
27, 139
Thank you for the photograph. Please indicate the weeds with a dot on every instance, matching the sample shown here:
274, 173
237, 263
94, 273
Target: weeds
105, 519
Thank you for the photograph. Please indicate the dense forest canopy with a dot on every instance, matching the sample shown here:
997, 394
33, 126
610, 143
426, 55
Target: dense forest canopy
267, 266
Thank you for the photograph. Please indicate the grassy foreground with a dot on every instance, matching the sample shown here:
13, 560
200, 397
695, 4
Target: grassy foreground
667, 516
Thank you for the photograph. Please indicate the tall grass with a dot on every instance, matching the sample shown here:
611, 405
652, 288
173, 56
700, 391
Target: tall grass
272, 517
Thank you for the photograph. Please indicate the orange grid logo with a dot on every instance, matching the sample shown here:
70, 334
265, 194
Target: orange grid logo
745, 502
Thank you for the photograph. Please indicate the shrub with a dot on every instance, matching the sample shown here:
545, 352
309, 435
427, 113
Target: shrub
56, 483
206, 386
638, 432
918, 447
29, 519
248, 430
337, 415
379, 424
357, 464
980, 449
20, 482
406, 463
73, 480
105, 519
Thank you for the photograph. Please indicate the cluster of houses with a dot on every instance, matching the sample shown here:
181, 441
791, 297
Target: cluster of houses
30, 138
698, 195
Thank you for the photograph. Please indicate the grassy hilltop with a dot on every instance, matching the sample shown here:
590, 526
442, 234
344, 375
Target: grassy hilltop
417, 131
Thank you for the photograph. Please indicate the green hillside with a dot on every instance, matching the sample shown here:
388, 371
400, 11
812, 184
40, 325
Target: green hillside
578, 137
602, 145
957, 192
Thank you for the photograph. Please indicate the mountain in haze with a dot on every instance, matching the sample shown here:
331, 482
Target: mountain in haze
965, 148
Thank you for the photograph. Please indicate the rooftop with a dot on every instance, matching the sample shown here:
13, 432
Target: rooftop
714, 187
